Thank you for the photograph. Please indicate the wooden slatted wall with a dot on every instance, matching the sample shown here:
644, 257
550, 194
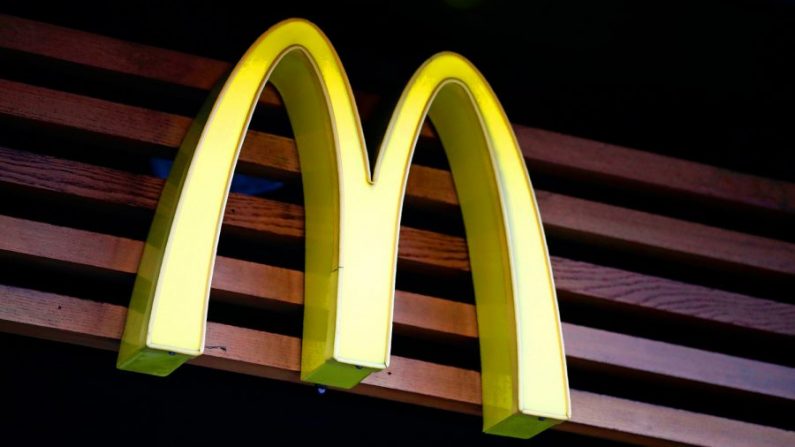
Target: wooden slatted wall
675, 278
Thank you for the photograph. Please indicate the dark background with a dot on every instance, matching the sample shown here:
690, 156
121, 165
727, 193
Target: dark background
708, 81
64, 393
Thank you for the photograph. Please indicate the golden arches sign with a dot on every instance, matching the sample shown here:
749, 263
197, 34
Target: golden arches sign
352, 226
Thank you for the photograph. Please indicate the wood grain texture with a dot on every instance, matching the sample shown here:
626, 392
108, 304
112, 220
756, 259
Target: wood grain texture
584, 280
99, 325
562, 215
550, 151
254, 283
658, 174
577, 279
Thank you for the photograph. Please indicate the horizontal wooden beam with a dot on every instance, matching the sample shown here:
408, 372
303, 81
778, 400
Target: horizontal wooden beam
562, 215
252, 283
549, 151
99, 325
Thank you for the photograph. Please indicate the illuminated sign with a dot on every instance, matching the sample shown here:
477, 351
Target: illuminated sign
352, 225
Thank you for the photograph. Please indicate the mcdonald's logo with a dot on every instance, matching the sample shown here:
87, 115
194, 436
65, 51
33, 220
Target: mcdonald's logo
352, 225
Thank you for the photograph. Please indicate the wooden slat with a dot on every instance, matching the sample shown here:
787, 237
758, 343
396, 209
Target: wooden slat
543, 149
96, 51
562, 215
630, 168
593, 282
100, 325
253, 283
574, 278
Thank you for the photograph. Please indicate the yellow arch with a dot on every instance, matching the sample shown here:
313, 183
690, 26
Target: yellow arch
350, 216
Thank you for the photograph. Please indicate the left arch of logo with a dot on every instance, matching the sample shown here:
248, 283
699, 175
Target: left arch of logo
352, 227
